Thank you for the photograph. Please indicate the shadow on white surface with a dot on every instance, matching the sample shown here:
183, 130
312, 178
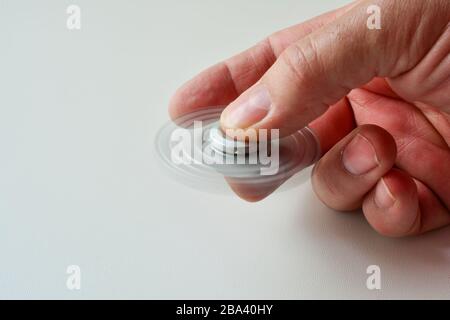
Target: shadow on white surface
412, 267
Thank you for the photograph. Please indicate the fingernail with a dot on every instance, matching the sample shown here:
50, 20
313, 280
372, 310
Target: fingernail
248, 109
359, 156
383, 196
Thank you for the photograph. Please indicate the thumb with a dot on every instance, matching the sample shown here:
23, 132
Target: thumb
320, 69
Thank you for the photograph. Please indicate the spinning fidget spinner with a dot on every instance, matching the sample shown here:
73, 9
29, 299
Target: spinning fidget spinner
198, 153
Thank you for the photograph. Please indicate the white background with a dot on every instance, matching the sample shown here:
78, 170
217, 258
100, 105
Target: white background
80, 184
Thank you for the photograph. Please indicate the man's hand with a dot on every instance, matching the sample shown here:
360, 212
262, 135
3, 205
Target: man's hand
379, 101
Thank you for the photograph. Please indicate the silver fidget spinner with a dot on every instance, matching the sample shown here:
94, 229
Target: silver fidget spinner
198, 153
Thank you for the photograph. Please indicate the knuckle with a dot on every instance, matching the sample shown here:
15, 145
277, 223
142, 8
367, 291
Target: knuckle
301, 65
301, 59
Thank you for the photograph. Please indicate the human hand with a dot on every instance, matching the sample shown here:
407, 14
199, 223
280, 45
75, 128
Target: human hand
378, 100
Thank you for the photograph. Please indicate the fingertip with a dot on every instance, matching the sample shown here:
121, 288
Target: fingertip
212, 87
176, 104
251, 192
392, 207
186, 99
351, 168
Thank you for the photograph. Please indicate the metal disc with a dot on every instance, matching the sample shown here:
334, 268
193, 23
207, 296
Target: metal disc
191, 149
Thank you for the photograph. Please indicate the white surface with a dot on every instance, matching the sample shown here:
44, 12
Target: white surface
79, 183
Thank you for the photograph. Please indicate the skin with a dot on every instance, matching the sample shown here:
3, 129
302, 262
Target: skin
385, 90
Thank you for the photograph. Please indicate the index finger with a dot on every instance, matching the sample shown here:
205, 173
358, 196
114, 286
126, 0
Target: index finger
225, 81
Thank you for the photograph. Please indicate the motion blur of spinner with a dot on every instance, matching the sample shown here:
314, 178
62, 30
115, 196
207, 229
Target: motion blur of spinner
196, 152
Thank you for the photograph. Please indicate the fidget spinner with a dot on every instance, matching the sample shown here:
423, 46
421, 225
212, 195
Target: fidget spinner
198, 153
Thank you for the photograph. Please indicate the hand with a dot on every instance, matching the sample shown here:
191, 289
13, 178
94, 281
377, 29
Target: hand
378, 99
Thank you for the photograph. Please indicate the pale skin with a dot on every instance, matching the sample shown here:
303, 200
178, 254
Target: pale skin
379, 101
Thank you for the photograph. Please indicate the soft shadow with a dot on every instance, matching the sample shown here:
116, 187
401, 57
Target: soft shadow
424, 259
